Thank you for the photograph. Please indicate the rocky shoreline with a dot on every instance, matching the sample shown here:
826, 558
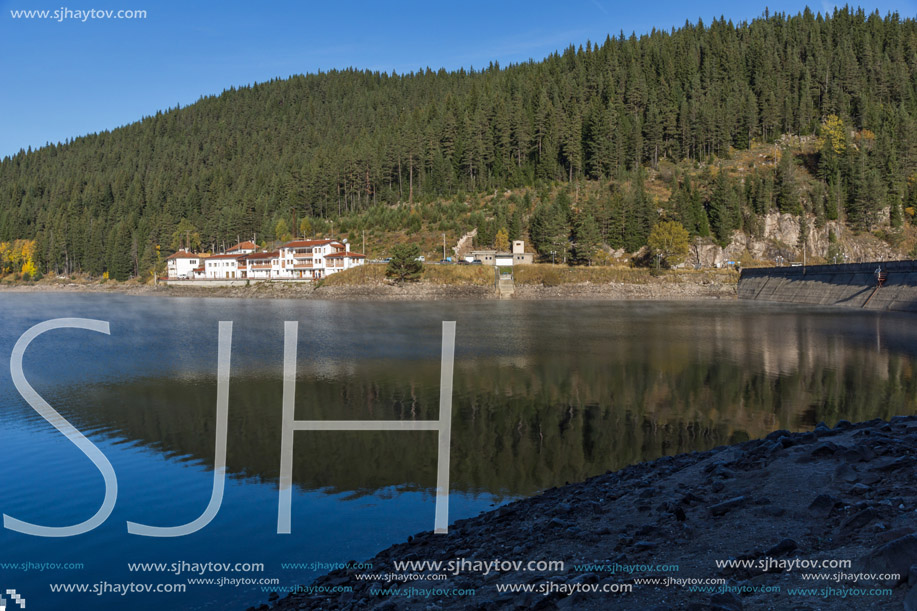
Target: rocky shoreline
384, 291
773, 505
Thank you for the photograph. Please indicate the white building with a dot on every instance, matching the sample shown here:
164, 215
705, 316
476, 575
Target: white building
297, 260
503, 259
258, 265
339, 261
224, 267
309, 259
182, 264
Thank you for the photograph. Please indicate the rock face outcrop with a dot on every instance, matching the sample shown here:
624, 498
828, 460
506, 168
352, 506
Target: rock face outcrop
779, 236
463, 247
853, 285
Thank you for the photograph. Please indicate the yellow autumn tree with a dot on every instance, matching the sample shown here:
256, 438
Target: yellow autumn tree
832, 134
5, 265
18, 257
501, 241
670, 240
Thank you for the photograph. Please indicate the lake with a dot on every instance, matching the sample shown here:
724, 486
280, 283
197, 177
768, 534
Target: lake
545, 393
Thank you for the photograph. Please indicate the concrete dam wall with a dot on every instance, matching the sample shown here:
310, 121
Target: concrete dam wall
853, 285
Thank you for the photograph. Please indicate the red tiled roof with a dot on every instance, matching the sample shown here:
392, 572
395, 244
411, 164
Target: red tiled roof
244, 246
226, 257
353, 255
260, 255
305, 243
183, 254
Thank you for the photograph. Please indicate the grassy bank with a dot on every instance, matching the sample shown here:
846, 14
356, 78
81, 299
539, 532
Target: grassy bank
449, 275
557, 275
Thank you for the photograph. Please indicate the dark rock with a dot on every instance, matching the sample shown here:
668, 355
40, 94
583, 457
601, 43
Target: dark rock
891, 535
806, 438
717, 486
846, 473
843, 425
910, 600
786, 545
822, 505
777, 435
680, 514
861, 519
824, 449
726, 506
859, 489
892, 464
690, 499
643, 545
893, 557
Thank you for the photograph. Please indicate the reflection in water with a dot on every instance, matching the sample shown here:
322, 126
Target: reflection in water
574, 403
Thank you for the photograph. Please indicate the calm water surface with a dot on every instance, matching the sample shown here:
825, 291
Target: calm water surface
545, 393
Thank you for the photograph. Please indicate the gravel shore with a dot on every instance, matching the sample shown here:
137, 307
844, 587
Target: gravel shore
384, 291
774, 504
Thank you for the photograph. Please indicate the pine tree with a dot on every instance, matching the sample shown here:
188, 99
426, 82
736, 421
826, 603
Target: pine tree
586, 239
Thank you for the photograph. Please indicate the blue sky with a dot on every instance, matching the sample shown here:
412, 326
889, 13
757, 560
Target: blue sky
61, 79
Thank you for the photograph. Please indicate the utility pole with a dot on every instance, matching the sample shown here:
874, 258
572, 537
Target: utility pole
444, 247
364, 241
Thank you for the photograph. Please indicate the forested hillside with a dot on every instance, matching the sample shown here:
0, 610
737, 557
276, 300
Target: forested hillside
352, 144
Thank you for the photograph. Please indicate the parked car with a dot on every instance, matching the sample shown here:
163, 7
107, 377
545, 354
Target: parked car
477, 262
